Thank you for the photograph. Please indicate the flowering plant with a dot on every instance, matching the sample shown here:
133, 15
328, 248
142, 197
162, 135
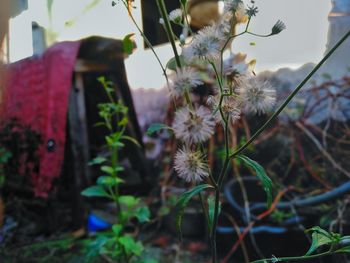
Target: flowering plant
121, 246
236, 91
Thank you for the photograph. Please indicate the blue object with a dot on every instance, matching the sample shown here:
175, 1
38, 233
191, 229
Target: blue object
96, 223
254, 230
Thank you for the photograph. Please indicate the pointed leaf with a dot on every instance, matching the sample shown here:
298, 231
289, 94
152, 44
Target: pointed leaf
128, 44
172, 65
343, 250
320, 237
128, 200
183, 201
131, 139
97, 160
211, 206
130, 246
95, 191
142, 214
260, 172
109, 181
157, 127
117, 229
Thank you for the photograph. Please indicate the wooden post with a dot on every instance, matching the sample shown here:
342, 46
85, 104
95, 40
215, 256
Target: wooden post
79, 144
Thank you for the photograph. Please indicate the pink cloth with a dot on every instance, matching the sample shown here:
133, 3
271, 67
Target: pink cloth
37, 94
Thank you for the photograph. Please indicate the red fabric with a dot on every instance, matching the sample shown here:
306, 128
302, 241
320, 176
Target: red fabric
37, 94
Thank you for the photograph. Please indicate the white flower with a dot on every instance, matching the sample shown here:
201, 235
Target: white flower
230, 107
184, 79
190, 165
193, 126
206, 44
161, 21
176, 15
258, 96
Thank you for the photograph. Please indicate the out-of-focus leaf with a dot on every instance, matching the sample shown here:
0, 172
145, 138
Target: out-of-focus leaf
142, 214
183, 201
157, 127
128, 44
97, 160
320, 237
211, 206
95, 191
260, 172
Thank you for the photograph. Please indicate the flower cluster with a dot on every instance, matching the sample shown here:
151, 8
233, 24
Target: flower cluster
236, 89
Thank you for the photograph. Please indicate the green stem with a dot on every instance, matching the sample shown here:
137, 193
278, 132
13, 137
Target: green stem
188, 26
287, 259
290, 97
169, 30
170, 34
205, 211
148, 43
258, 35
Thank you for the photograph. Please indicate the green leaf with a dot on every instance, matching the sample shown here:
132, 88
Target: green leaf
211, 206
123, 121
110, 170
128, 44
107, 169
109, 181
343, 250
320, 237
131, 247
95, 191
157, 127
172, 65
117, 229
131, 139
128, 200
260, 172
183, 201
97, 160
142, 214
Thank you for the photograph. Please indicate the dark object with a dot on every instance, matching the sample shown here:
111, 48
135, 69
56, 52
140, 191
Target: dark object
309, 201
153, 30
192, 226
100, 57
51, 145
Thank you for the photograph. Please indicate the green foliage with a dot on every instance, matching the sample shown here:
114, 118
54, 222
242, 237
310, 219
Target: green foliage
157, 127
97, 160
183, 201
128, 44
211, 206
95, 191
321, 237
172, 63
280, 215
119, 246
260, 172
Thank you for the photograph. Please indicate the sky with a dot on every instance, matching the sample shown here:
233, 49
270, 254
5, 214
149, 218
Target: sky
303, 41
